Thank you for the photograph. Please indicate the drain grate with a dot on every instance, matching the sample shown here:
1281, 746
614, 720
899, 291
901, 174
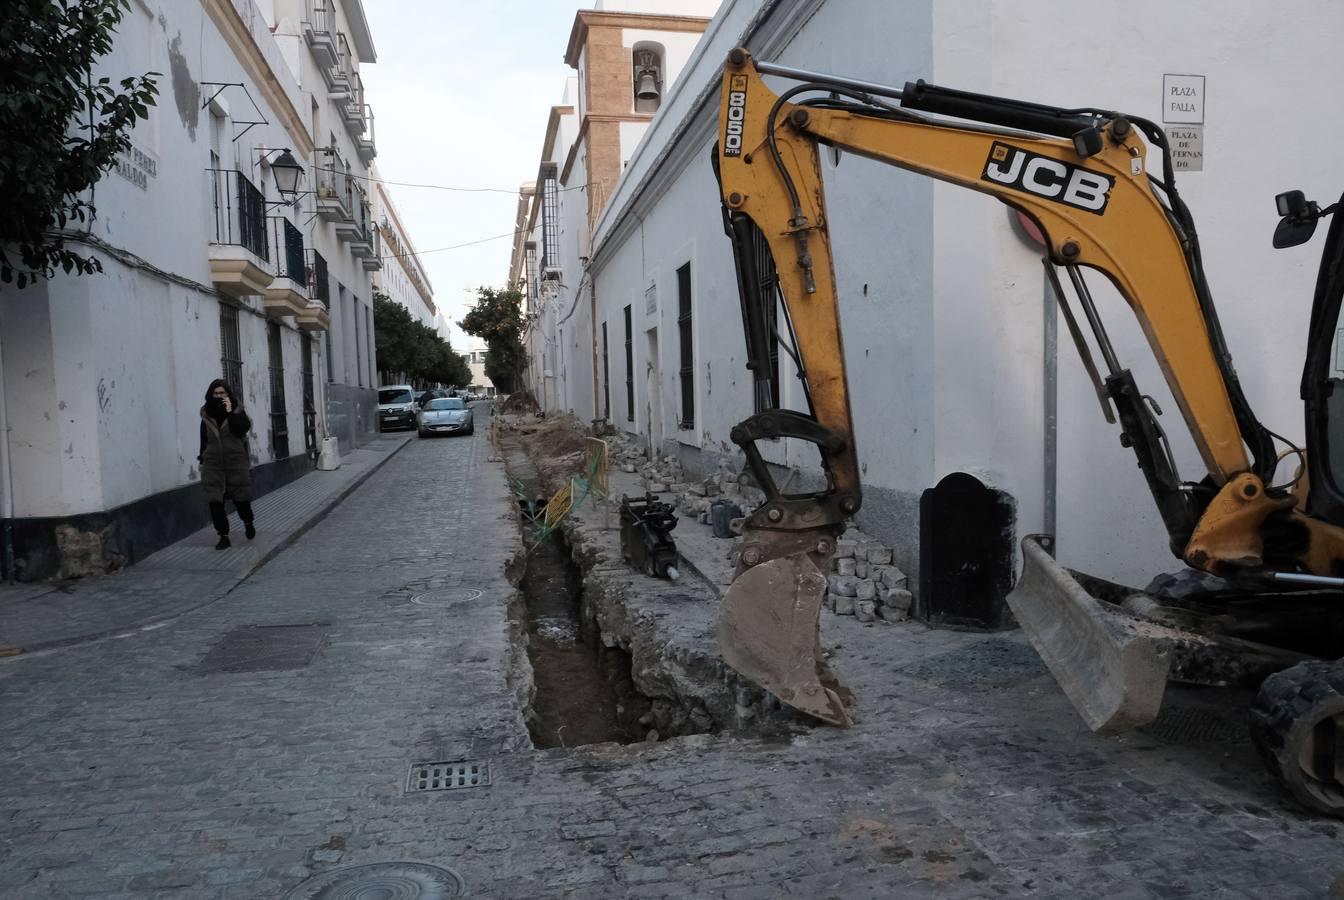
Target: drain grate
1193, 725
264, 648
448, 776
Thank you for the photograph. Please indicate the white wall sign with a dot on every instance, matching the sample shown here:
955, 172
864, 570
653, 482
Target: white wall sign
1187, 147
137, 167
1183, 99
651, 300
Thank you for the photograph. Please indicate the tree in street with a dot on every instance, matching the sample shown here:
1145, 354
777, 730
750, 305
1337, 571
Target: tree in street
406, 347
497, 318
60, 129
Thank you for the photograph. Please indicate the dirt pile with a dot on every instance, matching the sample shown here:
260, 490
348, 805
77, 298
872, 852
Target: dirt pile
519, 402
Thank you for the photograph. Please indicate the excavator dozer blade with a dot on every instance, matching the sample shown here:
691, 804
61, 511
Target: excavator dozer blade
1112, 667
769, 633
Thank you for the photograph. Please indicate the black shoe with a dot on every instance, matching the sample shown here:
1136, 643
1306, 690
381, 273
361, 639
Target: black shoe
250, 530
223, 542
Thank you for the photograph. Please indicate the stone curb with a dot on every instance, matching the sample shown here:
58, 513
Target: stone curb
326, 506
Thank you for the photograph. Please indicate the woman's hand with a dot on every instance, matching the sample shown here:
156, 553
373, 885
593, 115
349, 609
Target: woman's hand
228, 405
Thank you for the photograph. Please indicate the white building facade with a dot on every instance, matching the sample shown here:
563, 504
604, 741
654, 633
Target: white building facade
208, 272
402, 278
951, 340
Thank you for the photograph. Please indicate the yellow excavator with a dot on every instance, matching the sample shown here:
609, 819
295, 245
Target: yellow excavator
1088, 181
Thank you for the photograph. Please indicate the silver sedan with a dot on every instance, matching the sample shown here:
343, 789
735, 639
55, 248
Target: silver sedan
445, 415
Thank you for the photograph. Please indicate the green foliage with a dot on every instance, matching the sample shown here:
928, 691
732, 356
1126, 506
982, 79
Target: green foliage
406, 345
497, 317
60, 129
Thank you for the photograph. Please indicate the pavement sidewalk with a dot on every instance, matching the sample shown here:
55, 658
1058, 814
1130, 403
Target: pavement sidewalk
183, 576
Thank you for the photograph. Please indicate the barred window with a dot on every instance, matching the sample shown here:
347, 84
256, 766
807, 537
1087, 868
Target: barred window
230, 349
550, 218
629, 369
687, 371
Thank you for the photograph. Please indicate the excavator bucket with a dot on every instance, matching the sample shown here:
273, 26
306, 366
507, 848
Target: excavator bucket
1112, 667
769, 633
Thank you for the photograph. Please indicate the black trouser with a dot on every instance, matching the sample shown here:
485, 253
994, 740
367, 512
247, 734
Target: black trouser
221, 519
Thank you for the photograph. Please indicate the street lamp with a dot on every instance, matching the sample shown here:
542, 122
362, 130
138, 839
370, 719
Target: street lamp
287, 173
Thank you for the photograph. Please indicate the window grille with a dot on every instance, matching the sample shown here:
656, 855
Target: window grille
279, 417
550, 218
230, 349
629, 369
606, 376
687, 372
309, 399
531, 274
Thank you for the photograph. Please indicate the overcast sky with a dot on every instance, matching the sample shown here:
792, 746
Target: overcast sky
460, 95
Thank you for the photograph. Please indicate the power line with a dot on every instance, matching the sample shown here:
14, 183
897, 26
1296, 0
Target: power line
440, 187
455, 246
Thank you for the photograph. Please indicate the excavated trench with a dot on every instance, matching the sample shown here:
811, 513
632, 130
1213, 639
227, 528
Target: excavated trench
583, 690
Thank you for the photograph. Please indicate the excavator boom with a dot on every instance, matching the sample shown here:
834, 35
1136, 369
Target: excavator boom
1083, 176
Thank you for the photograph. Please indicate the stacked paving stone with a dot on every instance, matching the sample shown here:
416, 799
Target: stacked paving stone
864, 583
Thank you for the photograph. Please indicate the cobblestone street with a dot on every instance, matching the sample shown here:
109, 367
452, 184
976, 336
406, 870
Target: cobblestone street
170, 763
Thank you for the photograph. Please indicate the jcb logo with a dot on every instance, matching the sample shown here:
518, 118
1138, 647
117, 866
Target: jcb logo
1043, 176
737, 112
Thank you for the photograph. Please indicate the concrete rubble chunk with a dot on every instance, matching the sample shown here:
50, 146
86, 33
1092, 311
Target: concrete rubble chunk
879, 556
844, 606
844, 549
865, 590
864, 610
845, 566
892, 614
897, 598
844, 585
861, 568
891, 577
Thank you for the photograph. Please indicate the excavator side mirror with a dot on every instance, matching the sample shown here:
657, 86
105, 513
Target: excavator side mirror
1299, 219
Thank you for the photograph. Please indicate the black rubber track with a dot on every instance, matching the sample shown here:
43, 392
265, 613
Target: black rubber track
1289, 700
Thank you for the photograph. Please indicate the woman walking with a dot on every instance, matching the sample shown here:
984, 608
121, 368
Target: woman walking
226, 468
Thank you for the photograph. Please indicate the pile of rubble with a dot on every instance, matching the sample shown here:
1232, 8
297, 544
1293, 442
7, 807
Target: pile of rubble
862, 583
693, 496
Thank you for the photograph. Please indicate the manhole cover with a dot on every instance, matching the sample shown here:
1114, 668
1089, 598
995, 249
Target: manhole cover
382, 881
447, 776
264, 648
447, 596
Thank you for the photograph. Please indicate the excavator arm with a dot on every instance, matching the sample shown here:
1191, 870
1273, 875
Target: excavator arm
1083, 177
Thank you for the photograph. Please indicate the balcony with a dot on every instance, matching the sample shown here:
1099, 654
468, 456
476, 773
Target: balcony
356, 227
319, 31
239, 255
334, 203
352, 109
361, 239
338, 75
315, 315
287, 295
364, 145
374, 261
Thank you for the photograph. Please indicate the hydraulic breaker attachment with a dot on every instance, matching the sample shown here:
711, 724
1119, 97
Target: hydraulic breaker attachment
1112, 649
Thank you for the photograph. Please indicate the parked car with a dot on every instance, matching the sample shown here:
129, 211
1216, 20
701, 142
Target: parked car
431, 394
396, 406
445, 415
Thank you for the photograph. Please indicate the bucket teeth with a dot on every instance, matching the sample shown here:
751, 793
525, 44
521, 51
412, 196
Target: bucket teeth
769, 632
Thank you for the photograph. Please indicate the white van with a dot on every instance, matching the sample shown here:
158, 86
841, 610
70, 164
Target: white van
396, 406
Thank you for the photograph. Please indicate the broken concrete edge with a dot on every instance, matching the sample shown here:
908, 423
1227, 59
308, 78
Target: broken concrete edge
283, 543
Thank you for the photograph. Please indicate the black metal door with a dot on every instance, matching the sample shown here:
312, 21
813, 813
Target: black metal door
309, 400
279, 416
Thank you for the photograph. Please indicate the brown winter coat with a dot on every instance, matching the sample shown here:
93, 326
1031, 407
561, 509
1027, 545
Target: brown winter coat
226, 467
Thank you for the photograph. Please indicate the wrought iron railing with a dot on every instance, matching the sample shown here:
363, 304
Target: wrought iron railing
319, 284
368, 124
345, 66
322, 16
240, 211
333, 177
287, 250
